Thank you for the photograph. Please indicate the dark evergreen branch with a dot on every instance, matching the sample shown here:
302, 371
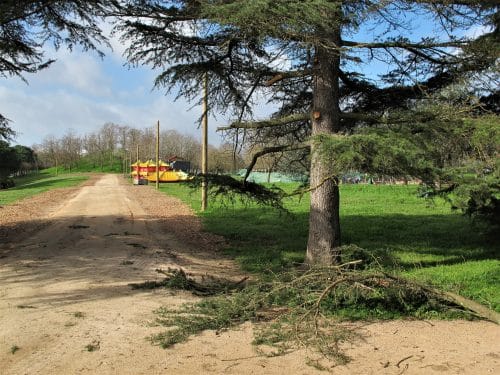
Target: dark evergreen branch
428, 57
404, 45
271, 150
267, 123
6, 132
227, 189
353, 116
285, 75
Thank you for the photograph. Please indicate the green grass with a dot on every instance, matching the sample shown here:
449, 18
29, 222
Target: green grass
423, 239
86, 164
39, 183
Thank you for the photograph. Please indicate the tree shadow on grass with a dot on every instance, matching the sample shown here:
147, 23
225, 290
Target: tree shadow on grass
44, 184
423, 240
263, 238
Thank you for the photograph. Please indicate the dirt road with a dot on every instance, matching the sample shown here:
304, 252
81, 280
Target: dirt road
66, 306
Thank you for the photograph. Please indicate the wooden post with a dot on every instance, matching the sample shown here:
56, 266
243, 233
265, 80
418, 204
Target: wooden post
124, 163
130, 163
204, 145
158, 155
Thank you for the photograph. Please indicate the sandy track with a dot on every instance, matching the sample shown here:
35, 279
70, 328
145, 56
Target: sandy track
66, 287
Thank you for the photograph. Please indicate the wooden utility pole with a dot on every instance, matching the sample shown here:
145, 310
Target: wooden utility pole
204, 145
137, 152
130, 163
124, 163
158, 155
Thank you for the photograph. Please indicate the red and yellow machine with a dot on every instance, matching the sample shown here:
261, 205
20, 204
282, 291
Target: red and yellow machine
144, 172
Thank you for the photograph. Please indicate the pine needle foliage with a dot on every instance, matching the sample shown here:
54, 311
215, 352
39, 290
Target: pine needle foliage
177, 278
228, 190
454, 156
310, 58
304, 308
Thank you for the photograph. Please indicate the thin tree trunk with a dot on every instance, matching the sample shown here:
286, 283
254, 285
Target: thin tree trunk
324, 224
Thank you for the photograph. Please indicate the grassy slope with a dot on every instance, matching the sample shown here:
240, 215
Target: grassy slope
85, 165
424, 239
36, 184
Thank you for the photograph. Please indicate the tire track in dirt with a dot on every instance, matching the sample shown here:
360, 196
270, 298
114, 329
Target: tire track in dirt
65, 300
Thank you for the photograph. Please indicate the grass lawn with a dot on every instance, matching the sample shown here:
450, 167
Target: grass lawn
39, 183
422, 239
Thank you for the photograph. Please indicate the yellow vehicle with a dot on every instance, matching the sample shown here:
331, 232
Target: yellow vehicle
169, 176
143, 172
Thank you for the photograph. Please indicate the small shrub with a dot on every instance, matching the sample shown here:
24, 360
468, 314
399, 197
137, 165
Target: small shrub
7, 183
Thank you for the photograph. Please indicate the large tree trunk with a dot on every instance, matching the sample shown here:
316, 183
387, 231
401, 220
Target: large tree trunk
324, 224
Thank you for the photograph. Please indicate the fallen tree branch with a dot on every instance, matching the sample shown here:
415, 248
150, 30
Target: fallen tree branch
480, 310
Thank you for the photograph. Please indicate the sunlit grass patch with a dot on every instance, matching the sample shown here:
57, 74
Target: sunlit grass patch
36, 184
416, 237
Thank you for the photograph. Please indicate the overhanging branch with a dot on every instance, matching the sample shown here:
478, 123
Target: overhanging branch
405, 45
271, 150
267, 123
353, 116
285, 75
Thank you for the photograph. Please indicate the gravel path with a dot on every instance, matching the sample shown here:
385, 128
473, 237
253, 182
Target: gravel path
67, 257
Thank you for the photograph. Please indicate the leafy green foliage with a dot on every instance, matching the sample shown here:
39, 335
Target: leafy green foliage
18, 159
275, 19
10, 164
477, 179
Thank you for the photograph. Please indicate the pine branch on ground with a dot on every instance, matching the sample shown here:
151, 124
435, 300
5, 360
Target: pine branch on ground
305, 308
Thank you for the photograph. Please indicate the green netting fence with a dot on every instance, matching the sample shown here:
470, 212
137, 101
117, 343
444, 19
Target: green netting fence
263, 177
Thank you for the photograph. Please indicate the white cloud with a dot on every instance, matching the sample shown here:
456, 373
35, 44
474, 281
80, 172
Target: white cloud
80, 91
477, 31
78, 71
37, 114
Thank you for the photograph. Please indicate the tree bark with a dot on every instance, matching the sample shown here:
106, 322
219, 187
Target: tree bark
324, 224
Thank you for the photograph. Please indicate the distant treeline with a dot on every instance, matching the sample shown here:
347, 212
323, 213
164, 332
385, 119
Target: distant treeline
113, 147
